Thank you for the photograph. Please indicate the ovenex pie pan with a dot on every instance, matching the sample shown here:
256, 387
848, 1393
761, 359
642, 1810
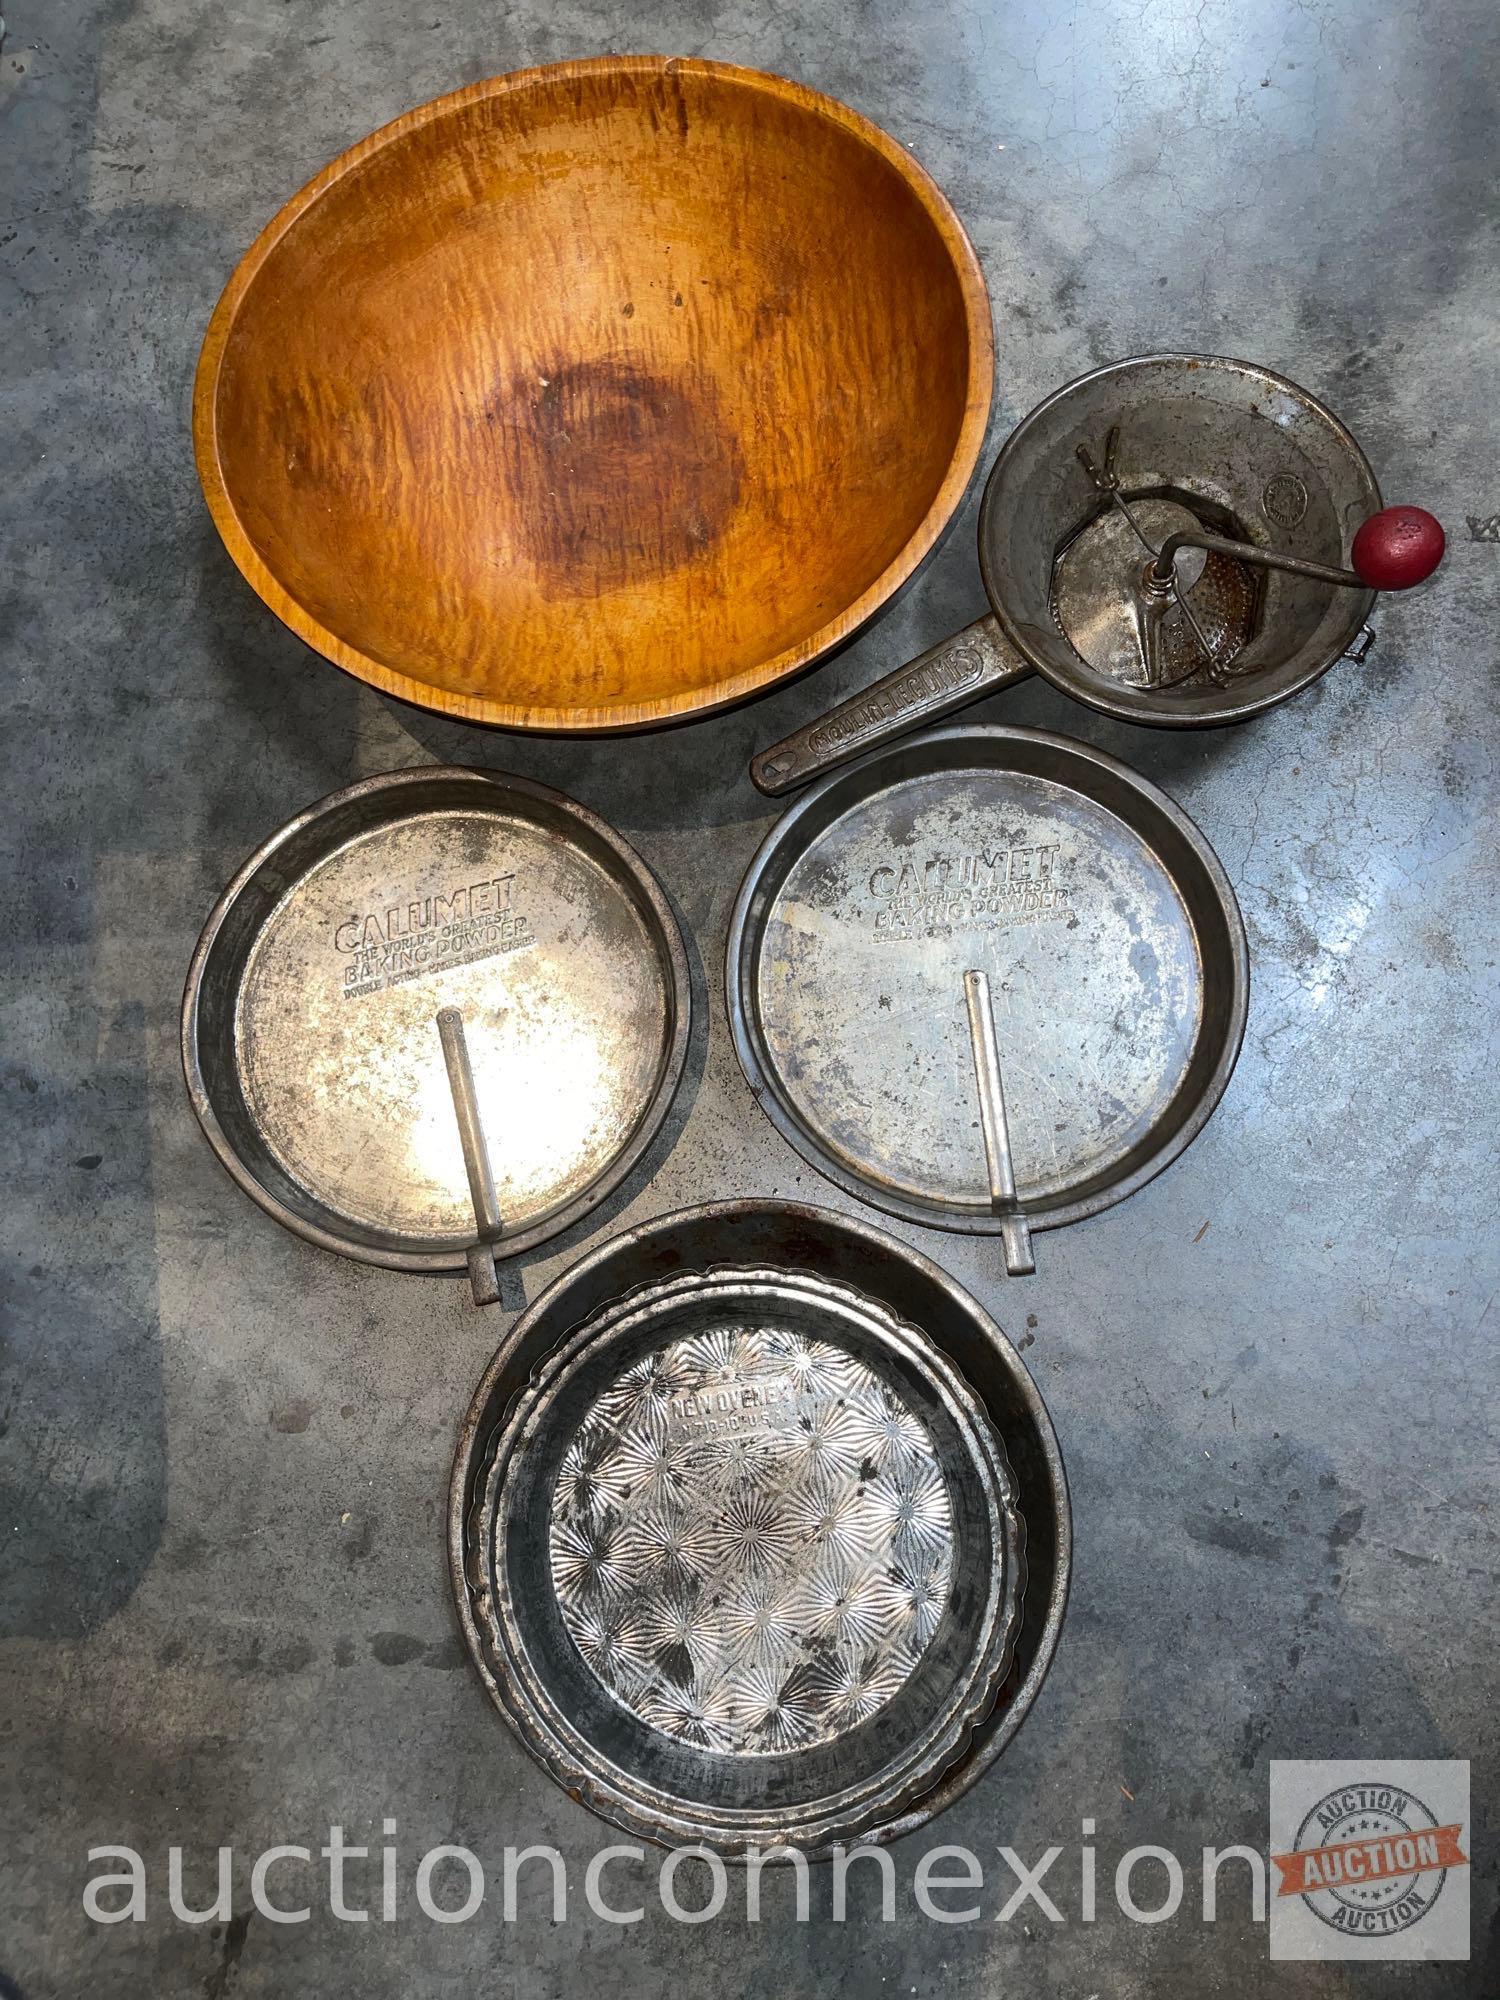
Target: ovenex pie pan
989, 979
431, 976
759, 1532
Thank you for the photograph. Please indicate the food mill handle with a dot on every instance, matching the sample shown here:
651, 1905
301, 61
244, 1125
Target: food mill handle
973, 663
1393, 550
1398, 547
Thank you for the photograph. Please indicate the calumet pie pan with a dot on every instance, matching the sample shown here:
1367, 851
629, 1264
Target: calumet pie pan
372, 933
989, 979
759, 1532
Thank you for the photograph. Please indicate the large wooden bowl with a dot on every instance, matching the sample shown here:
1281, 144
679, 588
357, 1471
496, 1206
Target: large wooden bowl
596, 395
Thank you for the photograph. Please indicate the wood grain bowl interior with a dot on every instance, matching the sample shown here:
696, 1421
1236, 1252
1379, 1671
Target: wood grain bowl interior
596, 395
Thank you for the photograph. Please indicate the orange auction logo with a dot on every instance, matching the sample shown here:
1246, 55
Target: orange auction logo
1370, 1859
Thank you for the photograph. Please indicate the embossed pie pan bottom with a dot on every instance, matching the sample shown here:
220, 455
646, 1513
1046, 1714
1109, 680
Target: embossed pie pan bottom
759, 1532
310, 1037
1087, 902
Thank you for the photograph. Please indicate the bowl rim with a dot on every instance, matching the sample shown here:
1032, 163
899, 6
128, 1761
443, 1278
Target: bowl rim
611, 717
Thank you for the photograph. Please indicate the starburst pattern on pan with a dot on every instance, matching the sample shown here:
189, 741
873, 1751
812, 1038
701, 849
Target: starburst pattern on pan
752, 1535
611, 1641
913, 1505
828, 1516
759, 1625
922, 1594
778, 1711
815, 1368
703, 1716
664, 1545
885, 1432
823, 1441
585, 1560
751, 1540
644, 1390
722, 1354
851, 1687
580, 1477
646, 1461
853, 1604
741, 1457
673, 1630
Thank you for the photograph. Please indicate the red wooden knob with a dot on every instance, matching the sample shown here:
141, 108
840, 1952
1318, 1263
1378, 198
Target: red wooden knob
1398, 547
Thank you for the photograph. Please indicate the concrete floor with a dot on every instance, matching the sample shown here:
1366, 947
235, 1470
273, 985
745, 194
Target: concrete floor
222, 1475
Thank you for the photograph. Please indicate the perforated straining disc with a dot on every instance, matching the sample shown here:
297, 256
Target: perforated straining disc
1097, 599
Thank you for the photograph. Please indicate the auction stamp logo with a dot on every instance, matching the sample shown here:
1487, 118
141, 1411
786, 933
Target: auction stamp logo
1373, 1859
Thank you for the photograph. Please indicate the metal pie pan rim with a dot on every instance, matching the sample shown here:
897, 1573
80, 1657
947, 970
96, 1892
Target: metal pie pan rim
996, 1730
761, 1075
1085, 686
547, 1732
668, 937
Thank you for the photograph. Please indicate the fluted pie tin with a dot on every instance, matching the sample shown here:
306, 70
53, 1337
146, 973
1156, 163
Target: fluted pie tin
740, 1544
435, 979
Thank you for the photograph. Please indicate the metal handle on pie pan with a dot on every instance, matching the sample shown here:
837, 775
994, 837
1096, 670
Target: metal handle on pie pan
484, 1280
1015, 1235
